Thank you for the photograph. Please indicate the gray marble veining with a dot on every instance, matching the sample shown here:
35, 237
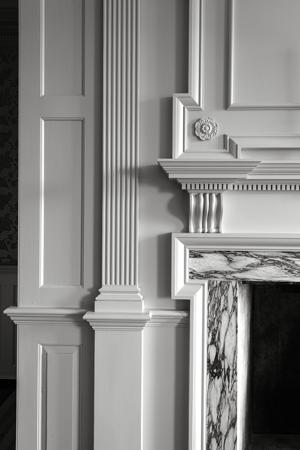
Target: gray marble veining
244, 265
222, 365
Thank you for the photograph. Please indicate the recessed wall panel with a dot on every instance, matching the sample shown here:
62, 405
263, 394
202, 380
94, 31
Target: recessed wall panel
58, 397
61, 211
265, 52
62, 37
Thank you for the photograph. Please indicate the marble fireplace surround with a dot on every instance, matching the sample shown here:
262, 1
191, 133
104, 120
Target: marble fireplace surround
214, 273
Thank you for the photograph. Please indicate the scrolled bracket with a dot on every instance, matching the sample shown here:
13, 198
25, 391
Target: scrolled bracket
205, 212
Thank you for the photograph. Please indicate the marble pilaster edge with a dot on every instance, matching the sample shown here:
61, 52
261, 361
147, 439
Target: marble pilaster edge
36, 315
112, 321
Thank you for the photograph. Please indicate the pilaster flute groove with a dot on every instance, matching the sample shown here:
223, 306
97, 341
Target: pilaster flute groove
120, 142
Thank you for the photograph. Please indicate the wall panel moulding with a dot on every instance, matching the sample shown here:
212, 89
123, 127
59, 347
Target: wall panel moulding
39, 315
239, 132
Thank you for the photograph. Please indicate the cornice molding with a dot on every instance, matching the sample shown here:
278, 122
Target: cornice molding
227, 174
36, 316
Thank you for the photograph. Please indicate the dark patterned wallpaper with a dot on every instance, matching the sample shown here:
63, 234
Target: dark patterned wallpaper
8, 150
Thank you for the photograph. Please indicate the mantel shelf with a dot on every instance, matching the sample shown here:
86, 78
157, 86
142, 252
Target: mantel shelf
197, 174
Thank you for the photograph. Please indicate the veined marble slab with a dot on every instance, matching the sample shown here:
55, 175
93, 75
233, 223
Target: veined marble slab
244, 265
222, 365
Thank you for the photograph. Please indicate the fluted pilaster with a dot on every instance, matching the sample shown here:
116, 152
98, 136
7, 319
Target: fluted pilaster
120, 148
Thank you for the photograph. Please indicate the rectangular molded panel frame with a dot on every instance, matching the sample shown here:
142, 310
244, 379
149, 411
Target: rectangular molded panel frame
212, 93
61, 226
58, 396
75, 280
62, 47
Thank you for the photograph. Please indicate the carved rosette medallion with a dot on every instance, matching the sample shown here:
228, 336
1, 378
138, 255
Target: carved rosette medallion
206, 129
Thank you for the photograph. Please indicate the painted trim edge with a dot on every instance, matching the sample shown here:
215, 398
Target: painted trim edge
35, 316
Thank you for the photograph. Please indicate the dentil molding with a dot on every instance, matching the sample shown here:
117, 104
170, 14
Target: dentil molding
228, 172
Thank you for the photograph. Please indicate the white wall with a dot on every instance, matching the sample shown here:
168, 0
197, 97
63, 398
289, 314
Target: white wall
261, 212
163, 206
163, 209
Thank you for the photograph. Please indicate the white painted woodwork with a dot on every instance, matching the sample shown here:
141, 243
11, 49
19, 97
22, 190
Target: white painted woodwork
58, 390
160, 213
198, 368
165, 368
205, 212
265, 68
261, 212
8, 297
242, 74
118, 389
58, 222
62, 47
47, 330
119, 318
256, 207
276, 147
54, 383
59, 153
120, 142
130, 350
244, 309
61, 203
